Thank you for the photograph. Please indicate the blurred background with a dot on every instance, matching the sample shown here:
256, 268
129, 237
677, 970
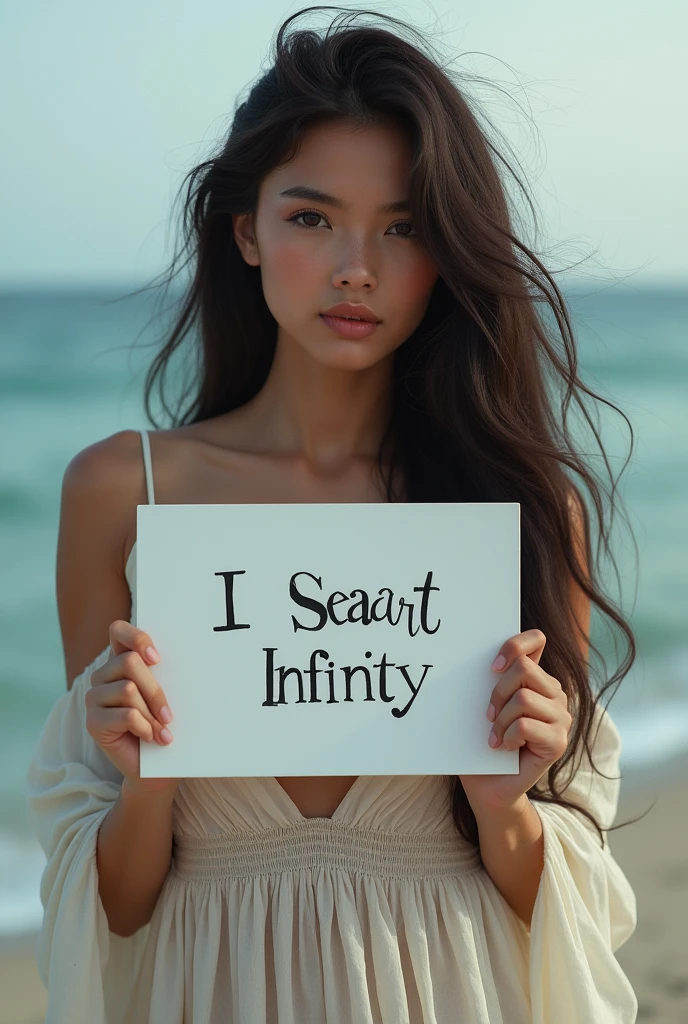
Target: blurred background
107, 106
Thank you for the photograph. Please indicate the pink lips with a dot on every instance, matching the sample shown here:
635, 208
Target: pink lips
349, 328
353, 310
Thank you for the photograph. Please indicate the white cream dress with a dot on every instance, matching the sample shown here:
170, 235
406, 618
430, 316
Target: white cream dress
381, 914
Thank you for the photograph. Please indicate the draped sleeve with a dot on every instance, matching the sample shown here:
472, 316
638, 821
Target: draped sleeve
585, 907
88, 970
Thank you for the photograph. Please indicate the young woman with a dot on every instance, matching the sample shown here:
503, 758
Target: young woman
355, 187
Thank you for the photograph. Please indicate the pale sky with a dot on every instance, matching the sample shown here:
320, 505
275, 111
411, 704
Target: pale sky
107, 105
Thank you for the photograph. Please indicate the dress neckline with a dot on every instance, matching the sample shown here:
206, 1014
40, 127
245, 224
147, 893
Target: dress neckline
341, 808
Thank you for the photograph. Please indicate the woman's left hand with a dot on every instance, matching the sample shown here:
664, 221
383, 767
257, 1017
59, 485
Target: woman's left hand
530, 714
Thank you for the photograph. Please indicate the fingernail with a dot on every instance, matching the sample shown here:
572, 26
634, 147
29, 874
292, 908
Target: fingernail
152, 655
499, 662
165, 714
493, 741
491, 713
166, 735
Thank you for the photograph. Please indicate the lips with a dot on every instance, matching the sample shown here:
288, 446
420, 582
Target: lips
347, 327
349, 311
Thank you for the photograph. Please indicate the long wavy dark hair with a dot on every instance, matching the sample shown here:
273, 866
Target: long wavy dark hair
483, 388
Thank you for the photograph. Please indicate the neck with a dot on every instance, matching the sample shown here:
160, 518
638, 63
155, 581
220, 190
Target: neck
326, 416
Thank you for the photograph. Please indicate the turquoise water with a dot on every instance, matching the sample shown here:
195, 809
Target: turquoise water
68, 377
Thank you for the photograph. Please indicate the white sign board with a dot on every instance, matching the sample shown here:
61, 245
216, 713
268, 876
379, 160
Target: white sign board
328, 639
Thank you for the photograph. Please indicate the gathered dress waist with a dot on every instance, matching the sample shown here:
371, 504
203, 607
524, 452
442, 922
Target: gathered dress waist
323, 843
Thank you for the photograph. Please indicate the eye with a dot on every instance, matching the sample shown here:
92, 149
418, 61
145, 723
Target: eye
305, 213
296, 217
404, 223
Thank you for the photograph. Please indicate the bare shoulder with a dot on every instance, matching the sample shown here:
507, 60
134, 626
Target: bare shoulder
101, 487
106, 480
103, 467
103, 483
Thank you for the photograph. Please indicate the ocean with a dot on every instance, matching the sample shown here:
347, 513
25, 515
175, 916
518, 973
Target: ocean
69, 376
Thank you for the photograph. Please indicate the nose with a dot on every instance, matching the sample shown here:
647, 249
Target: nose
355, 270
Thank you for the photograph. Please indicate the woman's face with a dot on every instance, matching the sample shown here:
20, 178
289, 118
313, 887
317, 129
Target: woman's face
346, 248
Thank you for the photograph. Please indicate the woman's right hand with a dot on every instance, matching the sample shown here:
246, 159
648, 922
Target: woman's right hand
125, 704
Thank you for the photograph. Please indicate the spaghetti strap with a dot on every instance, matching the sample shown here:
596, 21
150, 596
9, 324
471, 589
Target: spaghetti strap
148, 465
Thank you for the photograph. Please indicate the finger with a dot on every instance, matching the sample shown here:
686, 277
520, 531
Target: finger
546, 741
125, 693
525, 703
531, 643
124, 636
107, 725
523, 673
129, 665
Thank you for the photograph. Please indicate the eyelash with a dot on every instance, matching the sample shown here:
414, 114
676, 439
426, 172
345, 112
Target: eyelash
317, 213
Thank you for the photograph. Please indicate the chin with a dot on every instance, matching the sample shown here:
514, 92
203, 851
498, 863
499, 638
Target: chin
348, 355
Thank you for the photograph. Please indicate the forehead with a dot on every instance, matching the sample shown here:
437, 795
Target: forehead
353, 163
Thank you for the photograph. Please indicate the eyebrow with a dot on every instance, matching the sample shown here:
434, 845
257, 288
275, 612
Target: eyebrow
316, 196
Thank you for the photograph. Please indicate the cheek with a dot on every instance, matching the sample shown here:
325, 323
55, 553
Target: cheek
413, 285
290, 266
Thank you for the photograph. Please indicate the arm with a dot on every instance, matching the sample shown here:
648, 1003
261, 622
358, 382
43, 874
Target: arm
99, 494
575, 903
73, 785
134, 853
100, 490
512, 851
511, 840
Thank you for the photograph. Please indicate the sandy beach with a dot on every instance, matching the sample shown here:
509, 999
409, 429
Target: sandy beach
653, 853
